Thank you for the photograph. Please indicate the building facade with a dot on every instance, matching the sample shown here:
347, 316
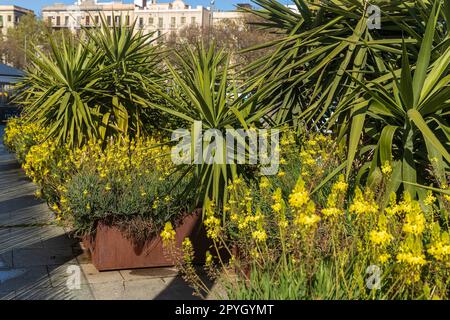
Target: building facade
151, 16
10, 17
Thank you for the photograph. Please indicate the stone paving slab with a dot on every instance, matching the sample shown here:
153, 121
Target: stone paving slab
42, 256
24, 278
6, 260
143, 274
95, 277
60, 275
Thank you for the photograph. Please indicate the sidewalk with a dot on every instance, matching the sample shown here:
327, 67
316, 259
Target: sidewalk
36, 255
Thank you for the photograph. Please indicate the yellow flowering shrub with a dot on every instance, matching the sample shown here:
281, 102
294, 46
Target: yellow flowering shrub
119, 179
20, 136
292, 240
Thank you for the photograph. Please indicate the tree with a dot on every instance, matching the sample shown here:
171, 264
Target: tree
232, 36
30, 32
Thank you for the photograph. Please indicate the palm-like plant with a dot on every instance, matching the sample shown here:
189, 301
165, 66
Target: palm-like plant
203, 90
404, 121
132, 65
60, 90
95, 87
325, 48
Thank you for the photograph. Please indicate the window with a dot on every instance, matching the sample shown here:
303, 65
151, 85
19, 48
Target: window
127, 19
117, 20
9, 18
88, 20
108, 20
97, 20
58, 20
1, 21
66, 20
49, 20
183, 20
141, 22
193, 20
173, 22
161, 22
151, 21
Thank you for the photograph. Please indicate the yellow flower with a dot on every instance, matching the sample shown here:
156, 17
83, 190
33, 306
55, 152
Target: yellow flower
299, 197
411, 259
386, 168
277, 207
264, 184
383, 258
380, 238
361, 205
307, 220
430, 199
186, 244
415, 223
259, 235
56, 208
340, 185
208, 259
440, 251
212, 223
281, 174
254, 253
168, 234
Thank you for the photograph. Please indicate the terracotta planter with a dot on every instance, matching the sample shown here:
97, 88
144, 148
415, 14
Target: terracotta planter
111, 250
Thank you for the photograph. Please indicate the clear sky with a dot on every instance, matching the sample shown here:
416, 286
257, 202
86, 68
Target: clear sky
36, 5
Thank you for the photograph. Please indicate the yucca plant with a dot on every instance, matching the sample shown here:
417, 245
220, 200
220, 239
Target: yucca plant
404, 121
325, 48
133, 65
93, 87
203, 89
60, 91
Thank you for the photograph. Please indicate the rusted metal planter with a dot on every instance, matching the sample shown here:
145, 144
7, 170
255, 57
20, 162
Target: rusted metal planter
111, 250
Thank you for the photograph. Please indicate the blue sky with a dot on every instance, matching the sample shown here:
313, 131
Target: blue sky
37, 4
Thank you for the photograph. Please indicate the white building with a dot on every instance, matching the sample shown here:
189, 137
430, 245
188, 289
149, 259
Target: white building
10, 17
149, 15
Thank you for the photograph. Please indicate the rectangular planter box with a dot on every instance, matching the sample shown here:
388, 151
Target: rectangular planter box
111, 250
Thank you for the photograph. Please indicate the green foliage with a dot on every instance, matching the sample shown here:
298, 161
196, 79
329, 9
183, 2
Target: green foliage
94, 87
120, 199
324, 48
404, 120
203, 89
19, 138
384, 93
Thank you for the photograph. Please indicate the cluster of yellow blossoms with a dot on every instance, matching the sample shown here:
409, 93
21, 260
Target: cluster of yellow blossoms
336, 199
20, 136
363, 203
303, 207
316, 154
168, 234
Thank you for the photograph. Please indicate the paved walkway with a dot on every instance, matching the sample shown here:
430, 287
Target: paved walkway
37, 257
